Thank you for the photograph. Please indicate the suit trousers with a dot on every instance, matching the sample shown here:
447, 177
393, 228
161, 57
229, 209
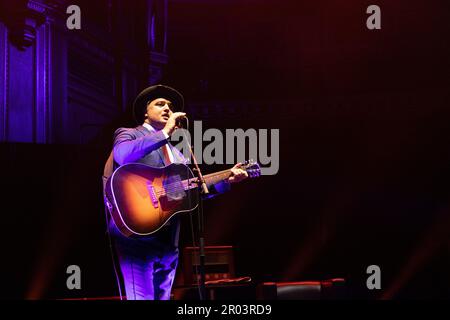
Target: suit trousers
147, 264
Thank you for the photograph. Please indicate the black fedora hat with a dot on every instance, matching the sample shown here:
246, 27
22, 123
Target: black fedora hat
154, 92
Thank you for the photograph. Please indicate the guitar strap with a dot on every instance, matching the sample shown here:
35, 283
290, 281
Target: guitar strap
108, 169
166, 154
107, 172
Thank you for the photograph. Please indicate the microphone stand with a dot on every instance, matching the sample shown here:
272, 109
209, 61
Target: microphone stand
203, 191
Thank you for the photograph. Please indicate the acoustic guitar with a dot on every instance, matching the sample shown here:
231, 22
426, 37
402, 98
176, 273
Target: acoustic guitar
142, 199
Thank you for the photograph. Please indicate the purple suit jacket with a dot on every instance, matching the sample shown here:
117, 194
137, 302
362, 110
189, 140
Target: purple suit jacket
144, 146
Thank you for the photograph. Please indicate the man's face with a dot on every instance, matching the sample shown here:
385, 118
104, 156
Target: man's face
158, 112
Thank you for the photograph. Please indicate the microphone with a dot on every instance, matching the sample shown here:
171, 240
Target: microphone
178, 122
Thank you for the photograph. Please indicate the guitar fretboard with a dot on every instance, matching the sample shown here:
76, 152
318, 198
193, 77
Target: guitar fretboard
188, 184
216, 177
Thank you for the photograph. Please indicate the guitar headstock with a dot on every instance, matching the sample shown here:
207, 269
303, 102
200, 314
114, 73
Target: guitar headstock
252, 167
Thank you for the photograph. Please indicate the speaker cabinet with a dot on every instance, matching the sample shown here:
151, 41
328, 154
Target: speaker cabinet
219, 264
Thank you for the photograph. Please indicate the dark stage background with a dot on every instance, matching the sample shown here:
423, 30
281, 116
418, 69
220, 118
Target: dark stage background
364, 135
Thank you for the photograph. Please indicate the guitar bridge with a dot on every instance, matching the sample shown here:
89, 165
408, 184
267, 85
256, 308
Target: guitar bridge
152, 193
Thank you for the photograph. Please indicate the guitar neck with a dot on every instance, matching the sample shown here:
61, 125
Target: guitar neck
210, 179
188, 184
216, 177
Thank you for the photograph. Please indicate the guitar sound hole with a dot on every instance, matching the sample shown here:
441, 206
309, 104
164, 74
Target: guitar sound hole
173, 188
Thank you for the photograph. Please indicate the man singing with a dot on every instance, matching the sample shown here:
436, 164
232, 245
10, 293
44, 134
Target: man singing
148, 264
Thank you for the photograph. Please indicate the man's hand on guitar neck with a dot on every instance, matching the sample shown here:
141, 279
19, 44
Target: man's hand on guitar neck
237, 174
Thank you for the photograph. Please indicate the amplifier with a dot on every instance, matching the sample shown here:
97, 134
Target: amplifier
219, 264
